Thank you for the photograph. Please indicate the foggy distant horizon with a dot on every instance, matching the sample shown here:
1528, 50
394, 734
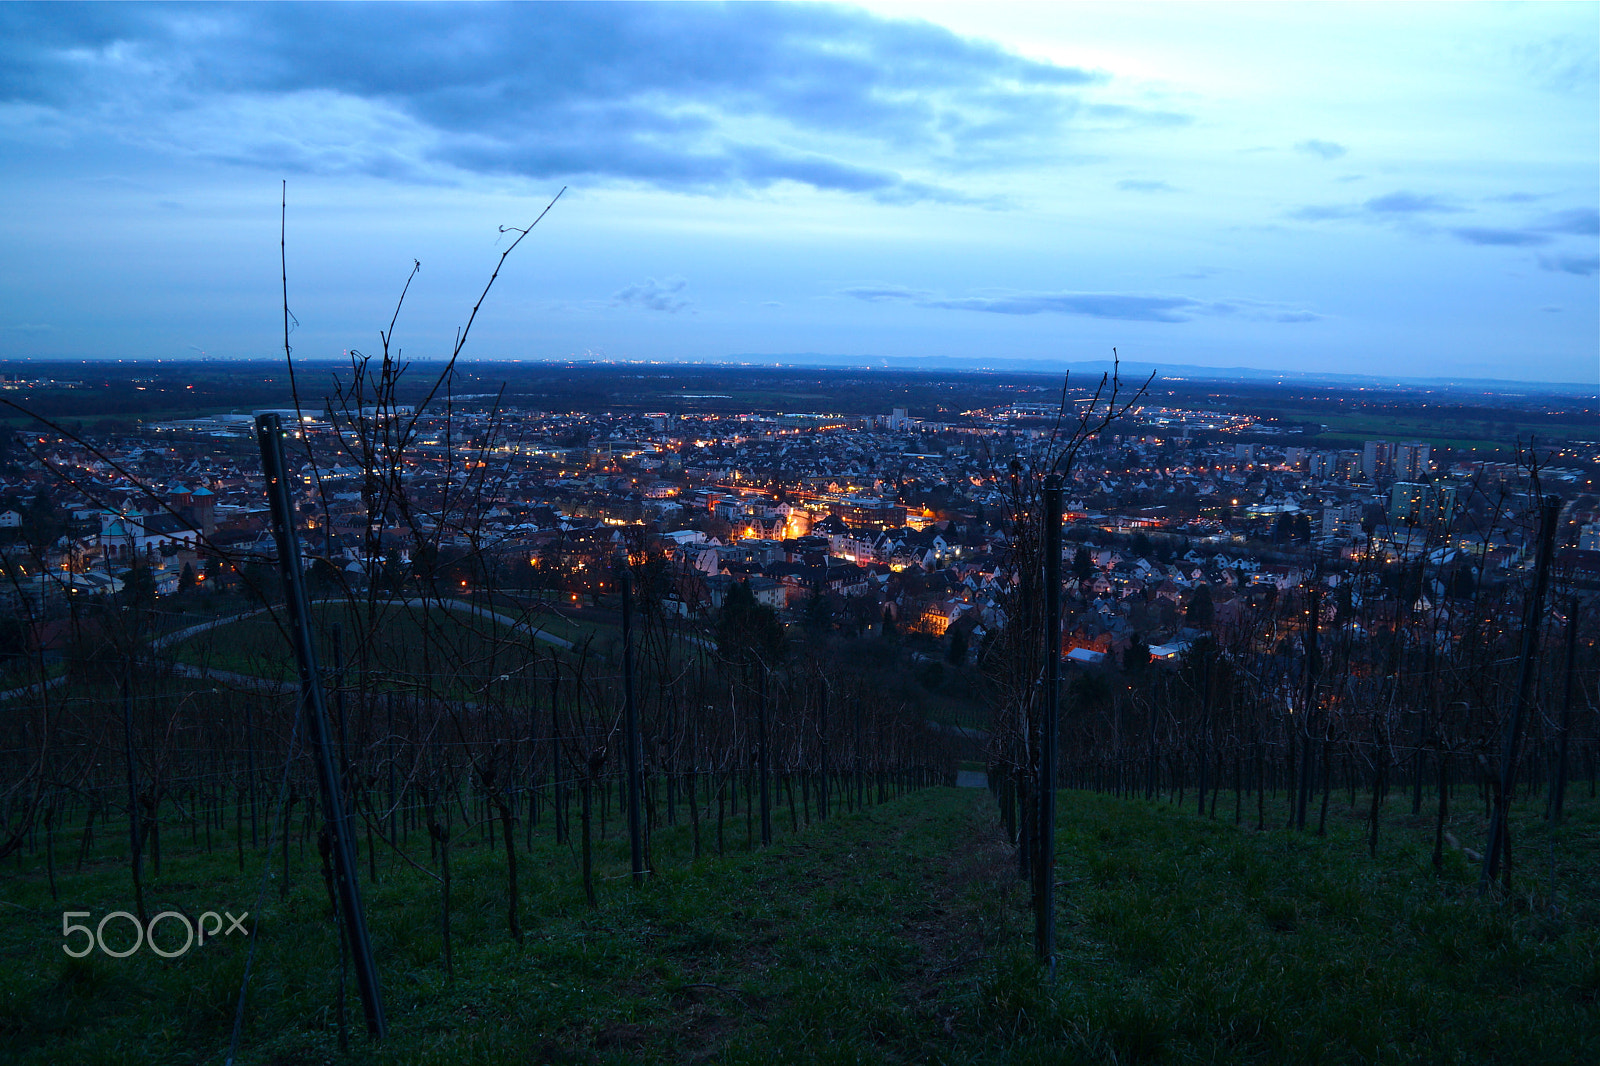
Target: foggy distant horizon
1386, 191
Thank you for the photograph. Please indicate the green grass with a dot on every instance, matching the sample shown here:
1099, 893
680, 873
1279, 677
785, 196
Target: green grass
1350, 429
1187, 940
898, 934
815, 944
406, 643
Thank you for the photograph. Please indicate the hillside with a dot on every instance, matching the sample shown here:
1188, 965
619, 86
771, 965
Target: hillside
897, 934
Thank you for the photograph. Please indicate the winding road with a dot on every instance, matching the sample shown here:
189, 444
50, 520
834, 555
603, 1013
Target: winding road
263, 684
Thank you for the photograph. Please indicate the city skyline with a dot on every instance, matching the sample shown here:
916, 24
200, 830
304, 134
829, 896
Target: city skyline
1406, 191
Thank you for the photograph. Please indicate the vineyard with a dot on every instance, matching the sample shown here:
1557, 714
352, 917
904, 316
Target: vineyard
416, 791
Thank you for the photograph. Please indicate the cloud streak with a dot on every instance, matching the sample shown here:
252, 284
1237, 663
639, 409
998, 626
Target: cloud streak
1120, 306
1409, 203
1135, 185
1410, 210
1510, 238
1321, 149
1582, 265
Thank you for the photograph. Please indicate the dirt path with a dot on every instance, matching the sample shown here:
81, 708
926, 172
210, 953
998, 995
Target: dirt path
872, 934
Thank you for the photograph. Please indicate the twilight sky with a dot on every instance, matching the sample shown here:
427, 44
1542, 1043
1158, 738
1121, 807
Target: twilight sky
1363, 188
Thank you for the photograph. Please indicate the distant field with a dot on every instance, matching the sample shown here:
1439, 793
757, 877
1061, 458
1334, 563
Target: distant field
19, 421
1441, 432
1487, 450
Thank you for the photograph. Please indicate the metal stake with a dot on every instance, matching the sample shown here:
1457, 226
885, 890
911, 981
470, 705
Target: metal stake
269, 434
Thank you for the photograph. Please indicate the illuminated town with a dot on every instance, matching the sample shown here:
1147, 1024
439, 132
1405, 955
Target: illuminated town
1179, 521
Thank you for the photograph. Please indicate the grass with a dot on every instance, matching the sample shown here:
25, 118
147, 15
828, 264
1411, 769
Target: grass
1187, 940
1443, 429
897, 934
403, 645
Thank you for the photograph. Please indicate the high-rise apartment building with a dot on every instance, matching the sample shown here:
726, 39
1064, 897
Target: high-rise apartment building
1428, 506
1411, 461
1377, 459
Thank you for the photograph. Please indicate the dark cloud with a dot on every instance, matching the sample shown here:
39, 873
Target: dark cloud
1581, 265
1390, 208
1135, 185
1578, 221
1513, 238
652, 295
883, 293
693, 96
1127, 307
1408, 203
1323, 149
1323, 212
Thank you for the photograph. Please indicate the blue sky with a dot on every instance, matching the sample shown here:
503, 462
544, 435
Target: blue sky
1362, 188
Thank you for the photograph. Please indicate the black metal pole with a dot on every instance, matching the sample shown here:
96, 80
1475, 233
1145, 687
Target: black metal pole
631, 710
860, 764
1549, 511
557, 790
1308, 713
1558, 787
1045, 854
822, 755
133, 798
250, 763
763, 759
269, 434
338, 700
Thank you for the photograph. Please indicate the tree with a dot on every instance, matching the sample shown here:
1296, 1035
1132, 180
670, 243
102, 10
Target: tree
1082, 565
186, 578
959, 643
139, 586
42, 523
818, 613
321, 578
1089, 691
1136, 656
1200, 611
748, 633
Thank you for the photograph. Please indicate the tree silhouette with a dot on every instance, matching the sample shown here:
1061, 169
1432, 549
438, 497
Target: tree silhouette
1201, 611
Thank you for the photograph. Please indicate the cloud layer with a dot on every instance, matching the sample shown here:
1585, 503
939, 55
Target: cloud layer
699, 97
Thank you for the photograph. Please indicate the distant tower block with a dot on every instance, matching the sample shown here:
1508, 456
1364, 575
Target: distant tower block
1411, 461
897, 419
1377, 459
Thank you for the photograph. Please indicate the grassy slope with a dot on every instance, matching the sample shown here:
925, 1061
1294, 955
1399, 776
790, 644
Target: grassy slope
1190, 940
897, 935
